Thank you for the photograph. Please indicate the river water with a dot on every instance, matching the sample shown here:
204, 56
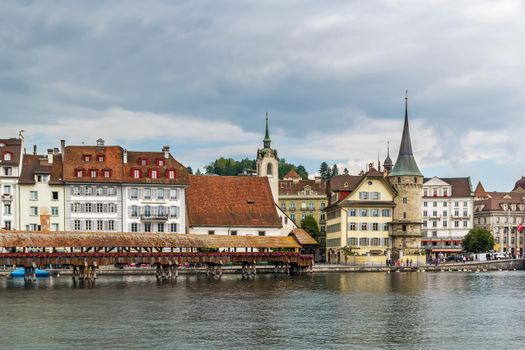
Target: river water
441, 310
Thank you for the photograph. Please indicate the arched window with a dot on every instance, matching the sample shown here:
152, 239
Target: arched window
269, 169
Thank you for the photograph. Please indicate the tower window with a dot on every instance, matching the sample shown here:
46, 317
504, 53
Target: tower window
404, 215
415, 179
404, 228
405, 200
269, 169
398, 180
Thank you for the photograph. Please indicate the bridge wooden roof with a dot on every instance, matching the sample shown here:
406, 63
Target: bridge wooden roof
164, 240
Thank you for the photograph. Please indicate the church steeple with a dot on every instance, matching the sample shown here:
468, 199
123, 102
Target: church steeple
406, 163
267, 141
388, 164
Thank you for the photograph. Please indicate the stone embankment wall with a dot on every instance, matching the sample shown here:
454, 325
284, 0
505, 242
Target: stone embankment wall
517, 264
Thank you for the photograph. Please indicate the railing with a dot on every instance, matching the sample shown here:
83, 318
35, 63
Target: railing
7, 197
160, 217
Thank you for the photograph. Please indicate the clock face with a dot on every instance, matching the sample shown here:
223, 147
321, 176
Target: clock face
370, 183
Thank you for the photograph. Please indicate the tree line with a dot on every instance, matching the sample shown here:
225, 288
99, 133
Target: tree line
231, 167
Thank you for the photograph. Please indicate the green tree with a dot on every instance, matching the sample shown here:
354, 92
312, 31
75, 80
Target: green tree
309, 224
478, 240
324, 171
345, 172
335, 171
190, 170
285, 167
198, 172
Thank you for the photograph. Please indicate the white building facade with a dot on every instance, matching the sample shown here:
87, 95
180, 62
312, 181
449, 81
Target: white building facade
10, 168
448, 214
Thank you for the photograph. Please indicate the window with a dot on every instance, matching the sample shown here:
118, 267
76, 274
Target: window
456, 204
434, 204
93, 173
134, 211
173, 211
54, 211
405, 200
456, 223
364, 212
170, 174
100, 225
143, 161
147, 193
425, 192
88, 208
352, 241
465, 223
75, 190
99, 191
211, 232
173, 194
112, 207
160, 194
311, 206
8, 171
262, 233
434, 224
55, 227
445, 204
54, 195
375, 195
33, 195
363, 241
292, 206
86, 157
100, 158
8, 156
292, 216
134, 227
135, 173
375, 226
283, 206
385, 228
425, 204
434, 234
465, 214
445, 223
147, 211
42, 178
434, 213
322, 206
88, 191
110, 191
160, 162
404, 215
352, 212
404, 228
7, 209
425, 213
303, 216
364, 226
352, 226
76, 225
33, 211
147, 227
100, 208
111, 225
374, 212
153, 174
134, 193
445, 192
425, 223
173, 228
89, 225
363, 195
376, 242
107, 173
465, 204
445, 213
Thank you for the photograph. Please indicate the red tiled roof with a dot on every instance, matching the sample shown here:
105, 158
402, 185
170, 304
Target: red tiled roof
113, 160
461, 186
495, 199
230, 201
291, 187
38, 164
303, 237
13, 146
480, 191
292, 174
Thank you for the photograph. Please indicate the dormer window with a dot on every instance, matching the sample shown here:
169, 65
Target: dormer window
154, 174
86, 157
135, 173
8, 156
93, 173
79, 172
161, 162
143, 161
170, 174
106, 173
100, 158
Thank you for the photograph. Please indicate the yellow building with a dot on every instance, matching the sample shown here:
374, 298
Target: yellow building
358, 216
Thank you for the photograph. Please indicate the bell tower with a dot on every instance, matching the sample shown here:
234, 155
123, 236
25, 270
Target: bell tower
407, 180
268, 163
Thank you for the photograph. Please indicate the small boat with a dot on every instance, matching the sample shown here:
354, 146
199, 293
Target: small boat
20, 273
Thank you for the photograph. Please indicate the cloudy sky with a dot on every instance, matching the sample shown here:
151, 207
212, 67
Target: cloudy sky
200, 75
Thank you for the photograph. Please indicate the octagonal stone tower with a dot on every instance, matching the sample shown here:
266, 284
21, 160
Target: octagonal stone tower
407, 180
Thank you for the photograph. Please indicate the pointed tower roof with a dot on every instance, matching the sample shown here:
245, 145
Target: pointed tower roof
480, 192
267, 141
292, 174
388, 162
406, 163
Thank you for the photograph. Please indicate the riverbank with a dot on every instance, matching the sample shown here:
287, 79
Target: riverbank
499, 265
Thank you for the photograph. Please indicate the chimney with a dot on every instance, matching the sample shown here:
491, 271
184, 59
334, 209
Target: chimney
50, 156
318, 179
34, 150
55, 151
63, 148
125, 156
166, 150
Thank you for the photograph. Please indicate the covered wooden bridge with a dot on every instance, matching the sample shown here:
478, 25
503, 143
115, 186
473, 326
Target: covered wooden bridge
84, 252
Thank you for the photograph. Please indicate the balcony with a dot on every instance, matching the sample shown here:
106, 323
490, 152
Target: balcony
7, 197
435, 217
154, 217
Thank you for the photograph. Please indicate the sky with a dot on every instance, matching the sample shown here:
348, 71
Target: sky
199, 76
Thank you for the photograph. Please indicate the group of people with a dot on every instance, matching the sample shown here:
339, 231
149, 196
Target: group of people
399, 263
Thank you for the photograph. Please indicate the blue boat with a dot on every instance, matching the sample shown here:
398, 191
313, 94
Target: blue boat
20, 273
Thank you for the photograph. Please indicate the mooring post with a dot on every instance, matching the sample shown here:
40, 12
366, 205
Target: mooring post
33, 271
95, 264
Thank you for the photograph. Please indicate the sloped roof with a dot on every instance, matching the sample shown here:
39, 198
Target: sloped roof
230, 201
461, 186
480, 191
114, 160
13, 146
290, 187
166, 240
303, 237
344, 182
494, 200
38, 164
292, 174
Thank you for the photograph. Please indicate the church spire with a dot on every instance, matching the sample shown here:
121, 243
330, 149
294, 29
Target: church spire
267, 141
406, 163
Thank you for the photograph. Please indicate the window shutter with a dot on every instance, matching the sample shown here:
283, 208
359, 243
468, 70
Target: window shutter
105, 207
